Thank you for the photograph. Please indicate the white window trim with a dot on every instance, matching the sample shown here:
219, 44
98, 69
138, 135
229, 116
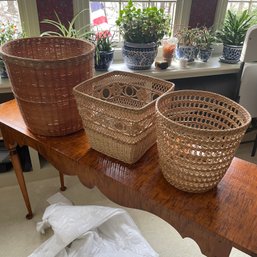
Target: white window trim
182, 16
29, 17
79, 5
220, 14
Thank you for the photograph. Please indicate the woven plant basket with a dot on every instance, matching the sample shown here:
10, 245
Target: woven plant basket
118, 112
43, 71
198, 134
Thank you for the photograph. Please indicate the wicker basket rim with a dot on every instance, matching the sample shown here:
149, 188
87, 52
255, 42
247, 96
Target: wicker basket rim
90, 51
194, 92
136, 110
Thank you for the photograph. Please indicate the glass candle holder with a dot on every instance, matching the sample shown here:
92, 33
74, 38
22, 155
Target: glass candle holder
168, 48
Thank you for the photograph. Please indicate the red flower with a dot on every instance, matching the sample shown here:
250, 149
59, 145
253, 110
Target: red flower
102, 34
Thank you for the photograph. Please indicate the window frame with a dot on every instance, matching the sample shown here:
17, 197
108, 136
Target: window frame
30, 21
29, 17
182, 17
183, 9
220, 13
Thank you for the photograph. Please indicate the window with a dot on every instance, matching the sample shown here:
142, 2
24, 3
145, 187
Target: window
179, 10
239, 6
236, 6
10, 13
105, 13
23, 13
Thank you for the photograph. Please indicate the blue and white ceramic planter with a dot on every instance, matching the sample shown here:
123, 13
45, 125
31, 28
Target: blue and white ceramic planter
104, 60
3, 72
231, 53
197, 49
186, 52
139, 56
205, 54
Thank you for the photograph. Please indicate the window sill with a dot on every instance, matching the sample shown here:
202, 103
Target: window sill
195, 69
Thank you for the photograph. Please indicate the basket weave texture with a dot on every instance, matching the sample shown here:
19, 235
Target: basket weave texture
118, 112
198, 134
43, 71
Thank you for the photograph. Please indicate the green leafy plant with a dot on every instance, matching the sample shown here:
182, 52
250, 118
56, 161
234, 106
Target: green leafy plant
206, 37
8, 32
70, 31
187, 36
143, 25
234, 28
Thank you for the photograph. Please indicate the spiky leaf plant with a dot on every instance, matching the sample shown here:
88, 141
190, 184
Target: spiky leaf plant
69, 31
234, 28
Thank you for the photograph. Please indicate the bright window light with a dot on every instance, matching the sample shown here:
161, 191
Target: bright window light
9, 12
104, 14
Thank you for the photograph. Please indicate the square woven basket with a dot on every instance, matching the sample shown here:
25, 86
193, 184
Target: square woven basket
118, 112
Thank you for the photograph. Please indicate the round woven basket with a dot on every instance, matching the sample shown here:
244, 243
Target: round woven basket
43, 71
198, 133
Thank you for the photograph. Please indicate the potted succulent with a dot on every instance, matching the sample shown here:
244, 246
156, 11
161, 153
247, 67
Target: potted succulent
187, 46
104, 50
232, 35
142, 30
8, 32
204, 42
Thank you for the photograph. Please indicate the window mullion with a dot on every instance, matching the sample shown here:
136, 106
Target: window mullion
250, 6
220, 13
29, 17
183, 9
83, 19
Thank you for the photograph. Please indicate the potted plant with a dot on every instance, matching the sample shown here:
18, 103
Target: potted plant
67, 31
232, 35
142, 30
186, 46
104, 50
204, 42
8, 32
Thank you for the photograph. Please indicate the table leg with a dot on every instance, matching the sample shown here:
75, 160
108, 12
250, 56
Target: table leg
63, 187
19, 174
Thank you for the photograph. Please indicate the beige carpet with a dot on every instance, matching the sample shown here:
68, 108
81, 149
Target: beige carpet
18, 236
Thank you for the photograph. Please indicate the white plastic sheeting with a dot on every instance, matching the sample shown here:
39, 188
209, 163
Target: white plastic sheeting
90, 231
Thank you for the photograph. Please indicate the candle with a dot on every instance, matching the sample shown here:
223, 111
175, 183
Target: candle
168, 50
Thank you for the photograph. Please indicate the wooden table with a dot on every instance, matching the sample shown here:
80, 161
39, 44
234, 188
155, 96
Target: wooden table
218, 220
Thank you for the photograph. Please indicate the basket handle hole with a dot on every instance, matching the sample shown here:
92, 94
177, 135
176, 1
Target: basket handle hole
130, 91
155, 96
106, 93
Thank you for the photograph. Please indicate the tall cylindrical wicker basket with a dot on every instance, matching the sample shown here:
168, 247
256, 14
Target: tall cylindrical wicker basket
43, 71
198, 134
